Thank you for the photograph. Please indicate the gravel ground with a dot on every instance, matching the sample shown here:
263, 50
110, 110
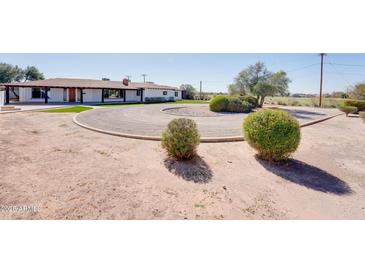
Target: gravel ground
68, 172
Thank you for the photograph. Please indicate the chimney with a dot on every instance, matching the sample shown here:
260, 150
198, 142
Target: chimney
125, 82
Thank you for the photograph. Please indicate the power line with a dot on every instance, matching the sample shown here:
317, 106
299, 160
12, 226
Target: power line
342, 74
300, 68
346, 65
349, 73
337, 72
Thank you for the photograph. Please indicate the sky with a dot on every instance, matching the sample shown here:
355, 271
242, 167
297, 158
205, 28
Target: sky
216, 71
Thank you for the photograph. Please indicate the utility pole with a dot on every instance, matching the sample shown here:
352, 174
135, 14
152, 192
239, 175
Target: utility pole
128, 77
144, 78
200, 90
321, 80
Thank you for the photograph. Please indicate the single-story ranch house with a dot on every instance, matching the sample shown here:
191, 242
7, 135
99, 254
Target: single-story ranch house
58, 90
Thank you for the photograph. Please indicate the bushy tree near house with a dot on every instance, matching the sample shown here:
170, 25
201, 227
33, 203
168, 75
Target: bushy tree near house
190, 91
258, 81
10, 73
31, 73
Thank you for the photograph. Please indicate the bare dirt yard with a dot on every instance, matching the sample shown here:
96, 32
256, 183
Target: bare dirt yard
69, 172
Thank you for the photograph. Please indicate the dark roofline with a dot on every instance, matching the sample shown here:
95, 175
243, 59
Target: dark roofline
70, 86
86, 84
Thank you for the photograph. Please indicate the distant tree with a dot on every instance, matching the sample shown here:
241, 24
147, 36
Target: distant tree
10, 73
260, 82
358, 91
327, 95
339, 94
31, 73
303, 95
105, 79
190, 91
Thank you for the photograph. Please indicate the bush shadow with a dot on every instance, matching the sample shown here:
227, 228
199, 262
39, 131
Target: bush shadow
306, 175
195, 170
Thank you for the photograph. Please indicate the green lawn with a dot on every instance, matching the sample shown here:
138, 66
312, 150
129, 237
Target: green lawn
138, 104
75, 109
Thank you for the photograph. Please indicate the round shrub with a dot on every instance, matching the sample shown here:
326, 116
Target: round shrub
273, 133
348, 109
236, 105
250, 99
181, 138
360, 104
218, 103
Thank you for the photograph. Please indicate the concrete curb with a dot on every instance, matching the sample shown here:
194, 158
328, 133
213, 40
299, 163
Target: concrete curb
27, 110
202, 140
320, 120
40, 109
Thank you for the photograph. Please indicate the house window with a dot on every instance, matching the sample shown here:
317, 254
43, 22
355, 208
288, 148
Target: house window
138, 93
36, 93
113, 93
165, 93
176, 94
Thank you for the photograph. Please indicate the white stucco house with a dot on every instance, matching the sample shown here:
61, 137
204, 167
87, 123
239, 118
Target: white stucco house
64, 90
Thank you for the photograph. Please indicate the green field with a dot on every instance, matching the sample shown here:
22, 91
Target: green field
75, 109
307, 102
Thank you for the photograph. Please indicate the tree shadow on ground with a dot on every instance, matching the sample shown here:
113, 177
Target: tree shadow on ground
306, 112
300, 114
306, 175
195, 170
303, 114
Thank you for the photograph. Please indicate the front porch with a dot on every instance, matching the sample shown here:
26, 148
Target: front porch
71, 95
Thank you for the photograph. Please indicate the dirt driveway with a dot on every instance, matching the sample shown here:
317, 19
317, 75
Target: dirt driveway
151, 120
68, 172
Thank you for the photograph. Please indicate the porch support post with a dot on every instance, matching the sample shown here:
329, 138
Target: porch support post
124, 94
7, 96
65, 93
81, 96
102, 95
141, 95
46, 95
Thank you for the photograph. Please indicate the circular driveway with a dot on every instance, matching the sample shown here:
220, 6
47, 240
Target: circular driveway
149, 121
